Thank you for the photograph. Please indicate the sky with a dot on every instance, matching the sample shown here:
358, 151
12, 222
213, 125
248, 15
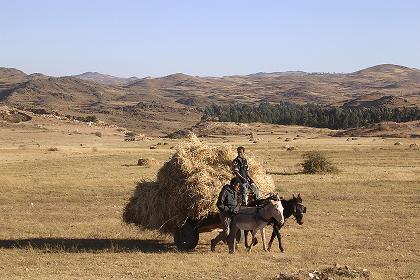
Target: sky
206, 37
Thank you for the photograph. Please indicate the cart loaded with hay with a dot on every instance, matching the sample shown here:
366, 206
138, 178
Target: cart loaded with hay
182, 199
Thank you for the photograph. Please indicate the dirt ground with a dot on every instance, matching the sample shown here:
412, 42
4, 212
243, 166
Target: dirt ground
63, 191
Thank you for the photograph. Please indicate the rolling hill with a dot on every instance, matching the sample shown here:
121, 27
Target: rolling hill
175, 101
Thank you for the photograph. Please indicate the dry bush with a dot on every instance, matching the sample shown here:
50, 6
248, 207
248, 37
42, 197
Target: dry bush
383, 127
98, 133
317, 162
187, 186
53, 149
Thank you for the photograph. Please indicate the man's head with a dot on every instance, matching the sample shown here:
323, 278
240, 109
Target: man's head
235, 183
241, 152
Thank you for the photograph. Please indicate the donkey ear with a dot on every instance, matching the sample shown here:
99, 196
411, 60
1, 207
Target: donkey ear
298, 195
293, 195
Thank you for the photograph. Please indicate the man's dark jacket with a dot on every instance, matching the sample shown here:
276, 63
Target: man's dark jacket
240, 165
227, 201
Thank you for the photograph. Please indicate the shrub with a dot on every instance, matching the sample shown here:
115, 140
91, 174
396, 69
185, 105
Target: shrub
98, 133
383, 127
53, 149
88, 118
317, 162
91, 118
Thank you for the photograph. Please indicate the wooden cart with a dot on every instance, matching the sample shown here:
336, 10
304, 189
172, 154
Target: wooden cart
186, 237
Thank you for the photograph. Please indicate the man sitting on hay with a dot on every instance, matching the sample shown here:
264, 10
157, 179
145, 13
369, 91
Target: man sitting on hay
240, 169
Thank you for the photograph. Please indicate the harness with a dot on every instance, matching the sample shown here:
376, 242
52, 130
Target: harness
294, 208
258, 216
260, 203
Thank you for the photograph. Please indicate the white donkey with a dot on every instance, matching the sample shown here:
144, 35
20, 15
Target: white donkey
254, 219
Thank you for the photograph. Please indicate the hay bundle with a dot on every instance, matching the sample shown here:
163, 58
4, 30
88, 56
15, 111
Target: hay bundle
414, 146
187, 186
147, 162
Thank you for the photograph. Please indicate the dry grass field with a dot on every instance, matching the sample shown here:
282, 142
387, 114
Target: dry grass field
60, 209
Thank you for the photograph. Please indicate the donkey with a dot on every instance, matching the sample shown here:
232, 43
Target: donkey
292, 207
254, 219
261, 203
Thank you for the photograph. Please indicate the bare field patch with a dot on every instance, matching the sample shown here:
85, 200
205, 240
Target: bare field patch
60, 212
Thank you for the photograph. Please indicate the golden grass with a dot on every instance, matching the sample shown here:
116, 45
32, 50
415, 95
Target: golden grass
68, 206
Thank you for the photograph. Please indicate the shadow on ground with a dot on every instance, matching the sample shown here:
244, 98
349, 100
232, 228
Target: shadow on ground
87, 245
285, 173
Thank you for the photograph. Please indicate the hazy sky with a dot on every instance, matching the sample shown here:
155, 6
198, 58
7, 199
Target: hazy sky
155, 38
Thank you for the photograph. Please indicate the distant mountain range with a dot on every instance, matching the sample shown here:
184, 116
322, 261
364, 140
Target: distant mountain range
175, 101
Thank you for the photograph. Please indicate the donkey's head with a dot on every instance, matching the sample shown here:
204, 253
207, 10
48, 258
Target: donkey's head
298, 209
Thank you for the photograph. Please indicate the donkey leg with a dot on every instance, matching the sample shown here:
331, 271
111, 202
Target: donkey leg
277, 231
273, 235
264, 241
246, 238
254, 233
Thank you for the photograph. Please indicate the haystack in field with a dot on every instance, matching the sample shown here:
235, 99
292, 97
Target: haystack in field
414, 146
147, 162
187, 186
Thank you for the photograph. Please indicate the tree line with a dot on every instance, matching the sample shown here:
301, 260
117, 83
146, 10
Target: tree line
309, 114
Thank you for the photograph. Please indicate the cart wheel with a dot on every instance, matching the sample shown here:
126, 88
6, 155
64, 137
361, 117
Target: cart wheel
186, 237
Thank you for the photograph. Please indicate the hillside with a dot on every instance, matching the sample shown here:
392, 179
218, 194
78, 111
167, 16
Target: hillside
299, 87
71, 96
166, 104
384, 129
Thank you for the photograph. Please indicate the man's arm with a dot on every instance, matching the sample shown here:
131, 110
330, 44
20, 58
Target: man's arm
220, 202
240, 176
235, 170
249, 176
